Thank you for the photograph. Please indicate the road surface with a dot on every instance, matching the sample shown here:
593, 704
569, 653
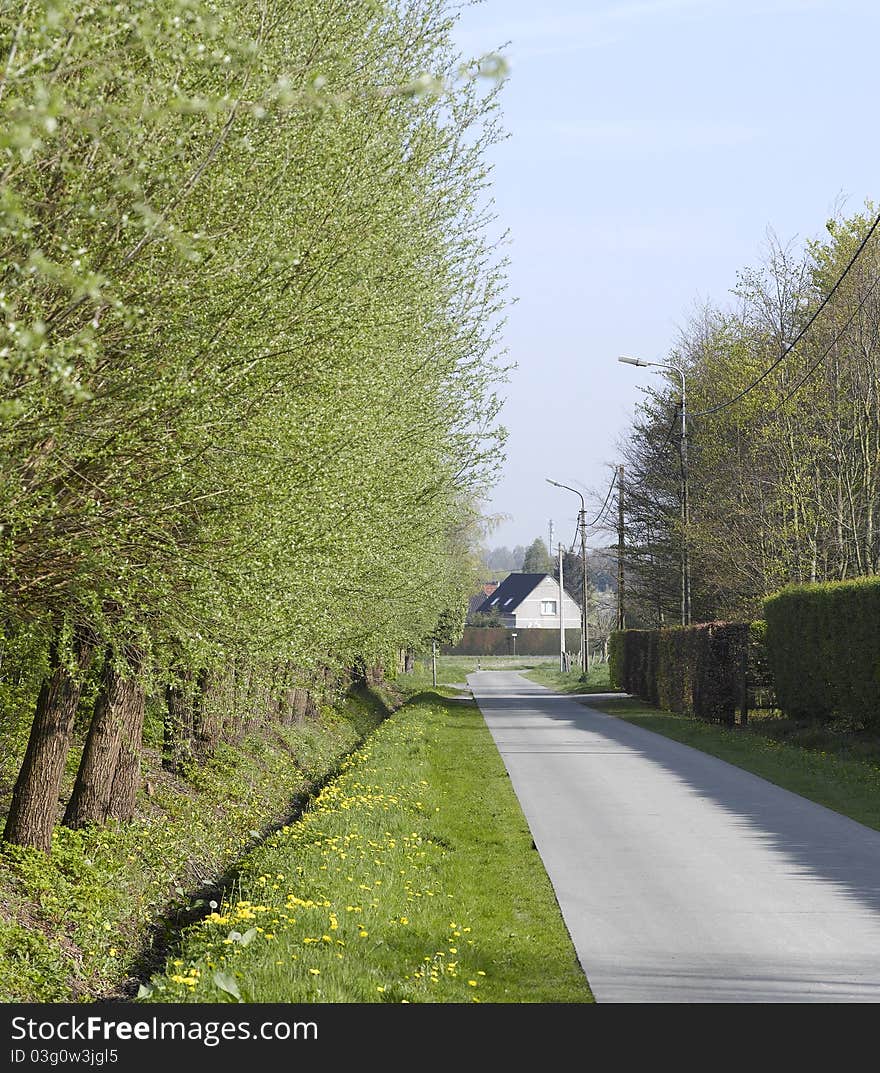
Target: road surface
682, 878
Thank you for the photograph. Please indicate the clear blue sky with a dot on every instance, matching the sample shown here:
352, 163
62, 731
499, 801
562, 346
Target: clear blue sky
652, 145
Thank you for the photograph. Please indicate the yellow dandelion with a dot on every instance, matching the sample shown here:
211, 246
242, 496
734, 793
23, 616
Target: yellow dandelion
315, 972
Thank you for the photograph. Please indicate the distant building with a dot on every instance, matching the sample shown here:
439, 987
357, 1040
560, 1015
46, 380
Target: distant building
531, 601
475, 602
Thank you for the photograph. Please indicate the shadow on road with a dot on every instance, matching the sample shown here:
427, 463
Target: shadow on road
816, 840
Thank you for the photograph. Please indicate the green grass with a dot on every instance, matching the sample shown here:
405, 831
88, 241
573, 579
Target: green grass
76, 924
453, 670
412, 878
549, 675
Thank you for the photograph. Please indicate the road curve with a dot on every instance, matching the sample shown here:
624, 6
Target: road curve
682, 878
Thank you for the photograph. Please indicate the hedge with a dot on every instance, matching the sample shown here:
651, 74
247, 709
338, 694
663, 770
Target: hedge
707, 671
823, 648
497, 641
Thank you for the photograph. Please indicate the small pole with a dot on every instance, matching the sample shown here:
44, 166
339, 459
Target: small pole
561, 617
621, 622
434, 661
585, 612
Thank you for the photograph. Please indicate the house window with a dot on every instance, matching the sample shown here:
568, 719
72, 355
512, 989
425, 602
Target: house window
548, 607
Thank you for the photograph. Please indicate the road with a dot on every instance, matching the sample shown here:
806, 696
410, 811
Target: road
682, 878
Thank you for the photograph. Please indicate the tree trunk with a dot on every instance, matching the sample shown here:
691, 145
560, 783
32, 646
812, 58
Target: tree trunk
126, 778
178, 730
300, 704
206, 714
35, 797
90, 800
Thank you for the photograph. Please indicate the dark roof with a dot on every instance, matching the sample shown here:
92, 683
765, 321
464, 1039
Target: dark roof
475, 602
511, 593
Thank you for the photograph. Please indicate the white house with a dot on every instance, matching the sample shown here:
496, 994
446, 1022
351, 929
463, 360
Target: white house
531, 601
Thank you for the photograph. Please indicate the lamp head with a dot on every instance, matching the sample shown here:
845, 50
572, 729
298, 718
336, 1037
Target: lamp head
633, 361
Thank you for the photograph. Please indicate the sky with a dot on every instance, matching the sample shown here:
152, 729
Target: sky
652, 148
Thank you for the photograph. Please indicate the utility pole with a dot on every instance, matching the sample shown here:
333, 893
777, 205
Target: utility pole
621, 621
561, 616
685, 513
585, 594
434, 661
585, 590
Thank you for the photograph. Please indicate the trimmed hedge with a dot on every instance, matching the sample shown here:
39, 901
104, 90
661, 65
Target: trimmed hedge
496, 641
705, 671
823, 649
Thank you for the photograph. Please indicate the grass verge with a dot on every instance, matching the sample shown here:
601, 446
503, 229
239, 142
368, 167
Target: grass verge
412, 877
81, 923
596, 681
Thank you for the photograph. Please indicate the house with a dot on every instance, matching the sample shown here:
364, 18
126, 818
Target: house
475, 602
531, 601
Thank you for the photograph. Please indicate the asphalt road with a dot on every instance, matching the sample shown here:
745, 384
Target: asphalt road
682, 878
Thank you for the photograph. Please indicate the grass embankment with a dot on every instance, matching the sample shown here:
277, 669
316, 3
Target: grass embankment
411, 878
837, 769
76, 924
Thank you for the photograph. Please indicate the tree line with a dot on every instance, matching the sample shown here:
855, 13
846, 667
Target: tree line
249, 351
783, 437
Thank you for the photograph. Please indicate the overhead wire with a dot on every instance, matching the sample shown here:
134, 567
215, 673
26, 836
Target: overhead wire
607, 497
801, 332
820, 360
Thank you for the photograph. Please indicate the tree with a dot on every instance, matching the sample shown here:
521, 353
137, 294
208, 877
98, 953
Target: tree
785, 474
249, 351
537, 559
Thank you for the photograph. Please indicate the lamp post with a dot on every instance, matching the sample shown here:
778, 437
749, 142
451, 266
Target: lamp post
585, 624
685, 562
561, 616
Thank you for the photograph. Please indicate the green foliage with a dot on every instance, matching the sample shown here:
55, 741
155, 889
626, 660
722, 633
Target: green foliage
823, 647
695, 670
249, 338
782, 441
537, 559
78, 918
411, 878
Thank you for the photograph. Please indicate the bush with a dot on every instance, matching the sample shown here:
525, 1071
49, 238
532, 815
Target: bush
823, 649
701, 670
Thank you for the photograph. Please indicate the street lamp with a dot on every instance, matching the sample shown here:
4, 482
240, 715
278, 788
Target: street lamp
685, 563
585, 624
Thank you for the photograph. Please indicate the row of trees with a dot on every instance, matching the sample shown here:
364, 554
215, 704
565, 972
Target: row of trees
783, 459
248, 352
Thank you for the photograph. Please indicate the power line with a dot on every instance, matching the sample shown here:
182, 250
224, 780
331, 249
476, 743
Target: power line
827, 350
607, 497
641, 480
803, 331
